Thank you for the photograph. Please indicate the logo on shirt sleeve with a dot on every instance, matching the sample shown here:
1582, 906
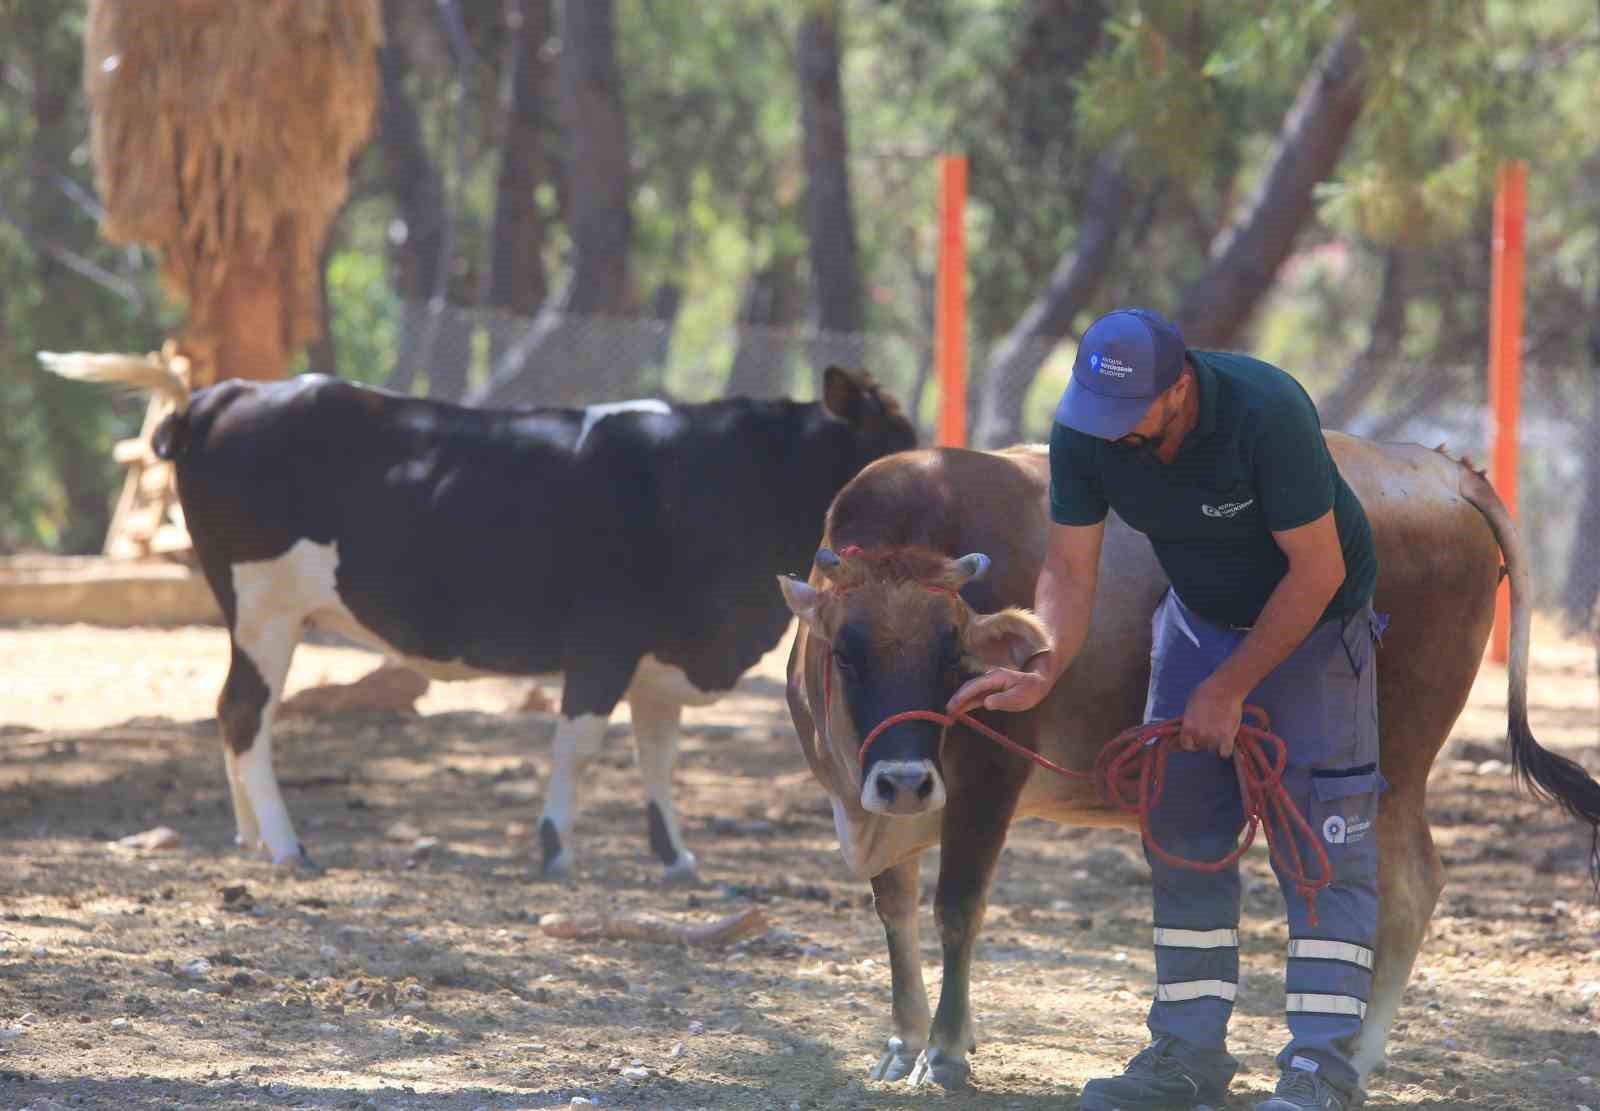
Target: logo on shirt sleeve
1227, 509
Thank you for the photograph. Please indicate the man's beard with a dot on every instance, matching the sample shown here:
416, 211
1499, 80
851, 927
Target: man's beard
1150, 445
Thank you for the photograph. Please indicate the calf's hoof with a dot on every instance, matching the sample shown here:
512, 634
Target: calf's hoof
935, 1066
685, 871
896, 1063
296, 860
556, 862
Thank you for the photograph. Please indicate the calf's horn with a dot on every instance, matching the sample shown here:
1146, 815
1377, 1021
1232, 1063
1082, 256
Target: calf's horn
973, 566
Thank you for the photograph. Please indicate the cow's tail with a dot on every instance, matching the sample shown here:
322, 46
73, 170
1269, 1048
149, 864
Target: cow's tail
1548, 774
149, 372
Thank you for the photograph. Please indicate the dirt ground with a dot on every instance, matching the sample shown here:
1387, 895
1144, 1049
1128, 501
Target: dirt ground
413, 974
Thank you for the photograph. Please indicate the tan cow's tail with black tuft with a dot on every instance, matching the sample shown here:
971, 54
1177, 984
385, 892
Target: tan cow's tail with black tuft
1548, 774
147, 372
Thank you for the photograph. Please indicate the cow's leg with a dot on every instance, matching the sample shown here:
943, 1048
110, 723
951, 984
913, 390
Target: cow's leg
577, 742
262, 650
1410, 877
655, 739
895, 895
973, 830
248, 834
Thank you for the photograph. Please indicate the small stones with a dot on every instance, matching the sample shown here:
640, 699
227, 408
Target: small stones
402, 831
676, 1051
161, 837
635, 1072
197, 969
237, 898
328, 953
120, 1025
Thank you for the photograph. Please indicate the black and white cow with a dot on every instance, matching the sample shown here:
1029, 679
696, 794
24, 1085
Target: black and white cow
631, 547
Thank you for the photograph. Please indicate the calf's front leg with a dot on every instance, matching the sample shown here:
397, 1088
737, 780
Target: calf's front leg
982, 798
895, 896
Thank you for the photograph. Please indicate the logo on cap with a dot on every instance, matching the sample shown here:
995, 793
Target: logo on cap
1111, 368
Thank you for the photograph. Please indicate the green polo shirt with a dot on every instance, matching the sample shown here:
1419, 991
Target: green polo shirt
1255, 463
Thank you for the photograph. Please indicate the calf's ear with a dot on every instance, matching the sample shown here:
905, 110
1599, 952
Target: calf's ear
804, 600
844, 394
1009, 638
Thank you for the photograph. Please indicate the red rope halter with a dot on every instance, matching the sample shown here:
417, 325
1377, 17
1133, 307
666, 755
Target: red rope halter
1130, 772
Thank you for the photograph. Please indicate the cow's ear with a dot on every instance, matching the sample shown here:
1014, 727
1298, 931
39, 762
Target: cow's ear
844, 394
1009, 638
804, 600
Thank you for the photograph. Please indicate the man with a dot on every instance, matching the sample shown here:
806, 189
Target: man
1219, 459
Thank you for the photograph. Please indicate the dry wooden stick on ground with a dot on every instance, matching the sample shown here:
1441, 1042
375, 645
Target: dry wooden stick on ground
634, 926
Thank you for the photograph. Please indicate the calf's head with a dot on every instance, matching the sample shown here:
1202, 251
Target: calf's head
900, 637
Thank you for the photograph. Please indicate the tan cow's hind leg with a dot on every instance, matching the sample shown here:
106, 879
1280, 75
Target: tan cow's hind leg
1410, 877
895, 895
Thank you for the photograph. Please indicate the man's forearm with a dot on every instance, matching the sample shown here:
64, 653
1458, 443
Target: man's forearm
1288, 617
1064, 604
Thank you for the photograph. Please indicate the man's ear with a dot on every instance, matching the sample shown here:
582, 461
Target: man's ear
844, 394
804, 601
1009, 638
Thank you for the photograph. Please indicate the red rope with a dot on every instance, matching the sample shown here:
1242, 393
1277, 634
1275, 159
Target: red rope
1130, 773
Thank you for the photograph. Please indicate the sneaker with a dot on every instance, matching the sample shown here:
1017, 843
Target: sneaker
1166, 1075
1305, 1090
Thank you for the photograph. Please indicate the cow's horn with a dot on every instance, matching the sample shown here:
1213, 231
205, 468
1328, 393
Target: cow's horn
827, 561
973, 566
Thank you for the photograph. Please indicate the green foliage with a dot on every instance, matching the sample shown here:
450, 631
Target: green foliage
1197, 92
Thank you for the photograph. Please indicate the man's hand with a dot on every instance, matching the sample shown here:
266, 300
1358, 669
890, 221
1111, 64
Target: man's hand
1211, 719
1001, 689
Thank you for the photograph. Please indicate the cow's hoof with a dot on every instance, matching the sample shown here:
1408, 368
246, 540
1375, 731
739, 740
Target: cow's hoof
297, 860
684, 871
935, 1066
896, 1063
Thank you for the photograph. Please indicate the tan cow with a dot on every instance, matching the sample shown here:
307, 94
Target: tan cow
883, 630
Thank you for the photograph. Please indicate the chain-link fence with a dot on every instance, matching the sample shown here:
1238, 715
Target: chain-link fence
483, 357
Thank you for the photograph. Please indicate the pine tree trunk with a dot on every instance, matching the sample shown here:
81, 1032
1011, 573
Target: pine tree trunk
1582, 588
1377, 358
838, 309
418, 195
1015, 362
769, 309
1244, 259
516, 241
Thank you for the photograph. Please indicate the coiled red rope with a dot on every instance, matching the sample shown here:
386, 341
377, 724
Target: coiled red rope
1130, 773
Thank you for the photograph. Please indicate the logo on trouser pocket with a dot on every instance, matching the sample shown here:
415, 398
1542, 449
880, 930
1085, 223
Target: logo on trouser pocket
1333, 831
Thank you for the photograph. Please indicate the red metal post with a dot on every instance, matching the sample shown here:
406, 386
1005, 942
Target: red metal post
950, 339
1505, 362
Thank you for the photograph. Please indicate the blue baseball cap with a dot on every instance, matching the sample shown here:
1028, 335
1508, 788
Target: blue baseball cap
1124, 360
